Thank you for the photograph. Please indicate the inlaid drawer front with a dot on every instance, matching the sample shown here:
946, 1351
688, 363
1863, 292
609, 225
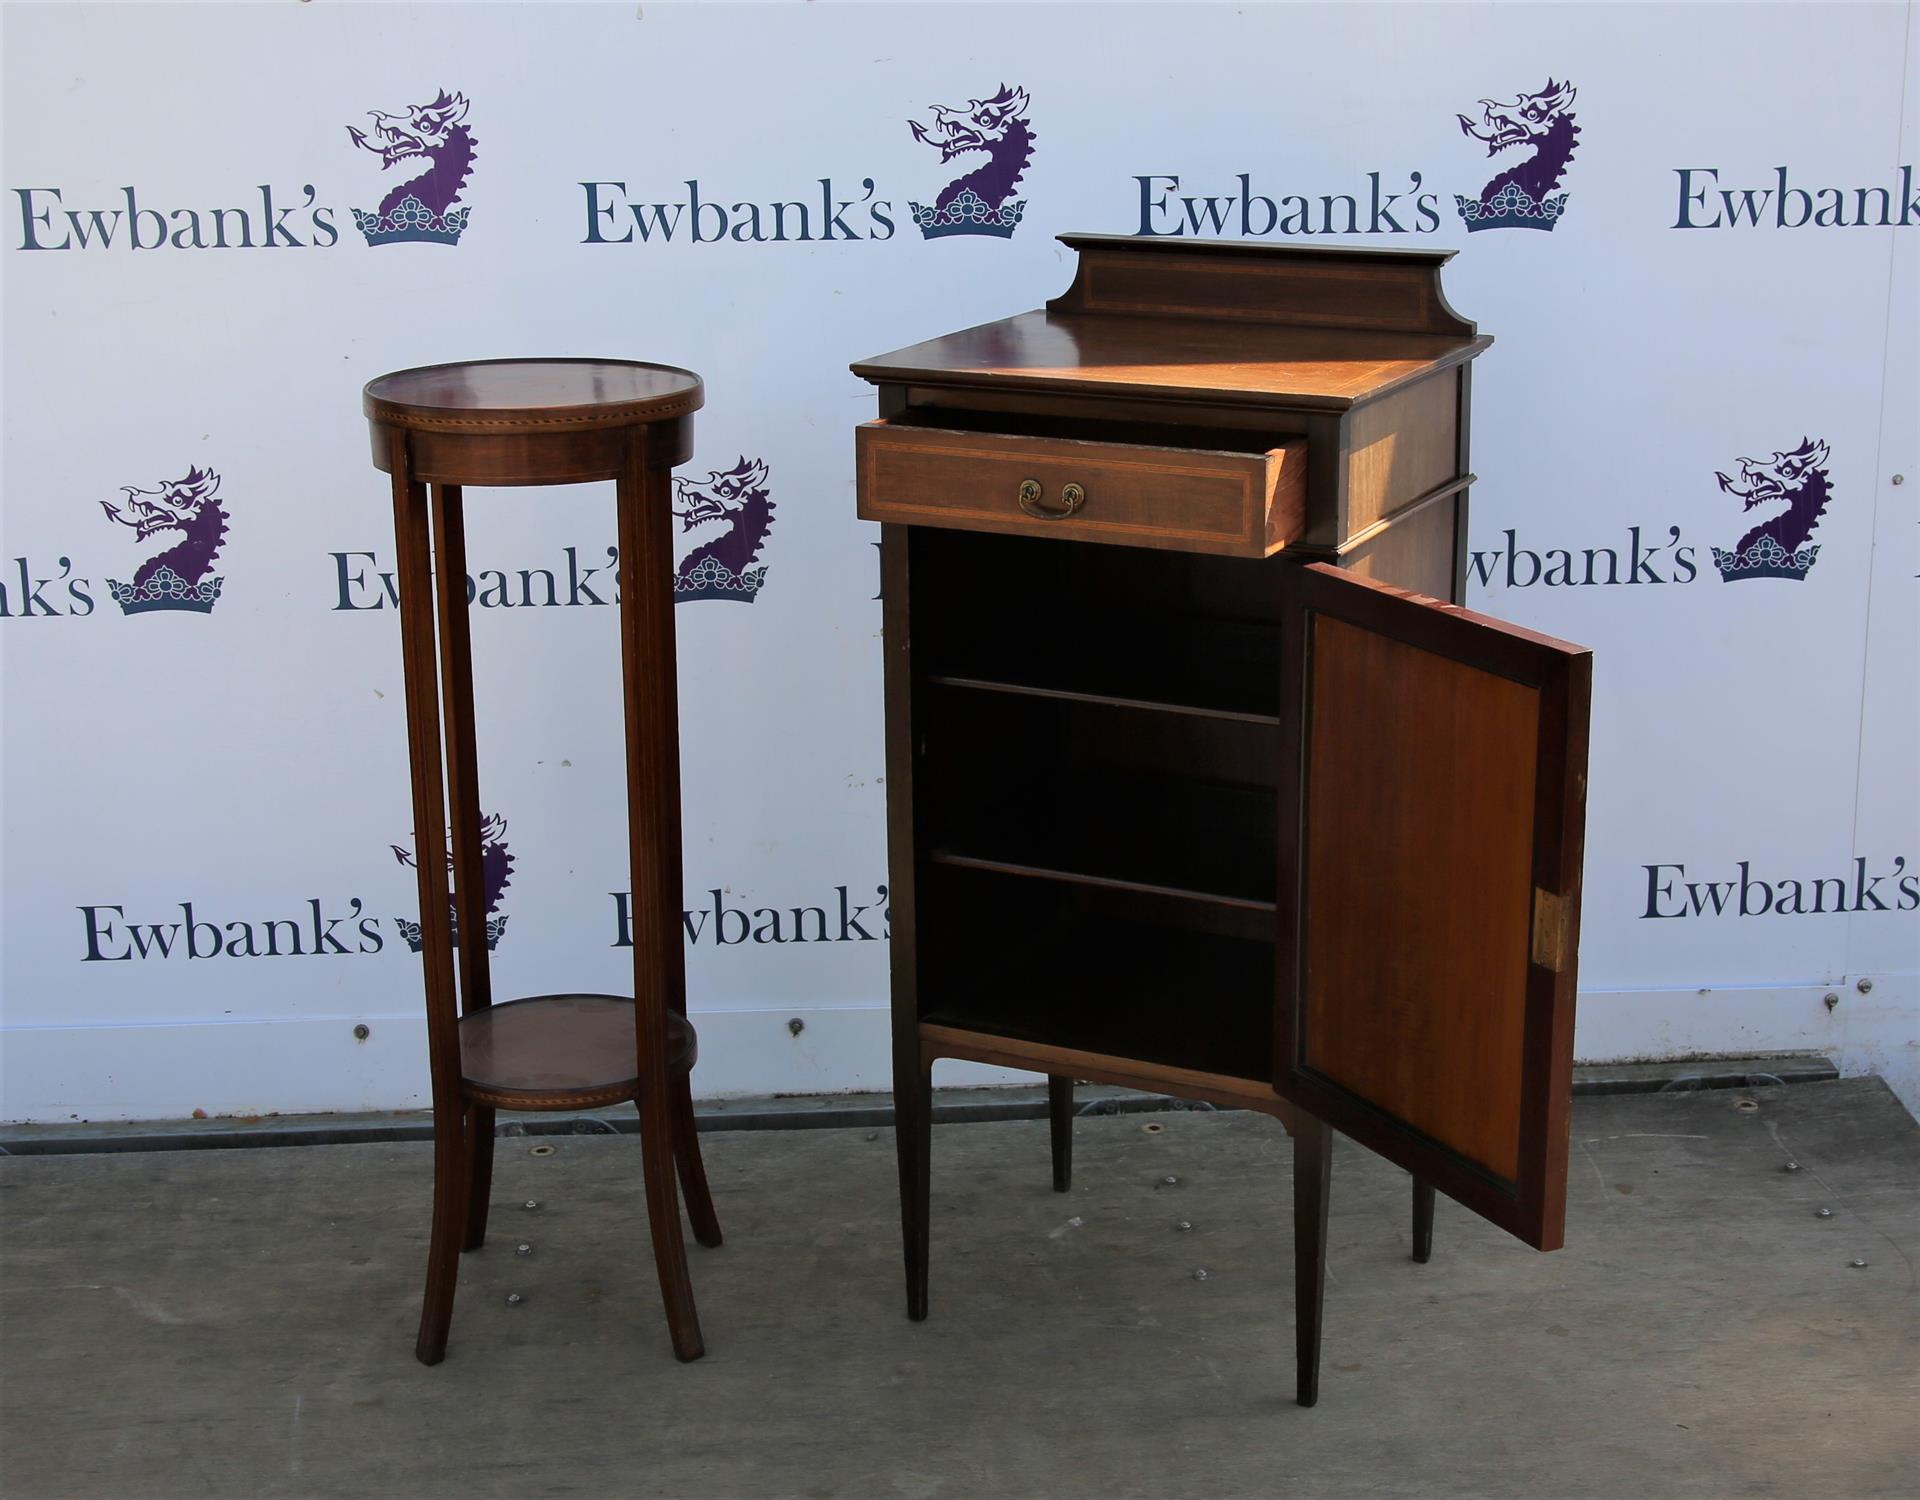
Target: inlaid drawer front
1191, 499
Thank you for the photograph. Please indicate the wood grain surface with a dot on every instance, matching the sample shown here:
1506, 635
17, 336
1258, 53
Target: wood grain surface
1243, 504
1431, 801
1260, 364
1419, 869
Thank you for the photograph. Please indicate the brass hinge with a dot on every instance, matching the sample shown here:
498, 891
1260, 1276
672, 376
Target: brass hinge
1549, 930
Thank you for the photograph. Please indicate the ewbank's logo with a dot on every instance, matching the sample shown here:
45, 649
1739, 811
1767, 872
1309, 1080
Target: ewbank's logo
432, 150
1671, 896
1523, 197
723, 520
1790, 488
982, 201
723, 523
496, 873
178, 577
1778, 547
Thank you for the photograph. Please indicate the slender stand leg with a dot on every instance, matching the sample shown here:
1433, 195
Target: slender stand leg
686, 1138
450, 1174
693, 1171
450, 1153
913, 1135
463, 796
653, 829
1060, 1118
463, 781
1422, 1221
1312, 1180
479, 1174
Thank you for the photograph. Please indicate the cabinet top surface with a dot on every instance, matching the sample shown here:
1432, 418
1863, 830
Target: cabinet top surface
1183, 358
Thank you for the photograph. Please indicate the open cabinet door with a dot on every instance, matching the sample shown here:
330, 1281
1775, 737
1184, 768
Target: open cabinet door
1432, 810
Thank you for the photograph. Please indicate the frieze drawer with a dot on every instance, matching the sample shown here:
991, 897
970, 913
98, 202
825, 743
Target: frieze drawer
1247, 503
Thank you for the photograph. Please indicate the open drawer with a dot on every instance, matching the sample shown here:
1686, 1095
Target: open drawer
1246, 500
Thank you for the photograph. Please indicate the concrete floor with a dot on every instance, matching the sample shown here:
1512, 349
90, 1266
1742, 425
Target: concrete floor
240, 1323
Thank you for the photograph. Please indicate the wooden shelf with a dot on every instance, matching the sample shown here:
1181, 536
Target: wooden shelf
554, 1051
1126, 989
1099, 1067
1189, 840
1224, 668
1102, 699
1078, 877
1163, 631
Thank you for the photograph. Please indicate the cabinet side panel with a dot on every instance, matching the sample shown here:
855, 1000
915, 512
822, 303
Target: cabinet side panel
1419, 806
897, 646
1400, 447
1415, 551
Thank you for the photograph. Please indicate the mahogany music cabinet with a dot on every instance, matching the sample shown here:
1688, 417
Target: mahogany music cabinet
1198, 778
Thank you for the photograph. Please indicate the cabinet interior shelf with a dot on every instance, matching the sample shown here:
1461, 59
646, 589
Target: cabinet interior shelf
1106, 882
1106, 699
1107, 826
1163, 632
1118, 988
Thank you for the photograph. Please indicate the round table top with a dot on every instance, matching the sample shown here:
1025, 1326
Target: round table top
534, 395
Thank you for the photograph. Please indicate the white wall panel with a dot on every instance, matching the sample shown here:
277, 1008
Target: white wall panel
250, 759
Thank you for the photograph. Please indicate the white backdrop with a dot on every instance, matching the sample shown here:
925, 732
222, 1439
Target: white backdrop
202, 895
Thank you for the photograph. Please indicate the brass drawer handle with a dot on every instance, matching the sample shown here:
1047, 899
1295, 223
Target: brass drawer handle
1072, 497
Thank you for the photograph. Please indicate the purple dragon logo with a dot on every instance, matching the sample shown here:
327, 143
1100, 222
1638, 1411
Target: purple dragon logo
496, 872
433, 150
176, 578
723, 524
1522, 197
981, 202
1778, 546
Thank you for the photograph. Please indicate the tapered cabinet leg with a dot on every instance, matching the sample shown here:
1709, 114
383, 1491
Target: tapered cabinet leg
913, 1134
693, 1171
1312, 1179
1060, 1123
1422, 1221
479, 1132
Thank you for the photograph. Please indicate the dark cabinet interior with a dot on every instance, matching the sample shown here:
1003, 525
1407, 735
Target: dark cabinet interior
1095, 796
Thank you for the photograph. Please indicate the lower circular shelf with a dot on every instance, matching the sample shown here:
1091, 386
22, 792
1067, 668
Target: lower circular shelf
560, 1052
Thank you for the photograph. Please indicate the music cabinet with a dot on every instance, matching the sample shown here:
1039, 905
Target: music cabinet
1198, 778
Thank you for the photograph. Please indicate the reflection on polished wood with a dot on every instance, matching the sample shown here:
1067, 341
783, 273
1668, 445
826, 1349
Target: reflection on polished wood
1295, 368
